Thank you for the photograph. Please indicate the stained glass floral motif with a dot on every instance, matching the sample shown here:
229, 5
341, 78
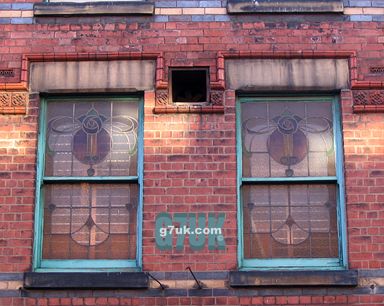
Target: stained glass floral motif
290, 220
85, 139
90, 138
280, 139
284, 139
90, 221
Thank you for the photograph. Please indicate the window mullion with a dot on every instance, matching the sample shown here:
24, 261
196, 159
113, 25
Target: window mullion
283, 180
100, 179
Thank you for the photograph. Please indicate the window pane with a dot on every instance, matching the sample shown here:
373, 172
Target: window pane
95, 137
285, 139
90, 221
290, 221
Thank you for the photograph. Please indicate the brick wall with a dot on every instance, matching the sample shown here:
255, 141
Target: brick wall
363, 151
17, 164
190, 166
21, 12
190, 159
192, 43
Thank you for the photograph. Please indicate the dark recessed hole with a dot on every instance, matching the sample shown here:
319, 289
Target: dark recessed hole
7, 73
377, 70
189, 85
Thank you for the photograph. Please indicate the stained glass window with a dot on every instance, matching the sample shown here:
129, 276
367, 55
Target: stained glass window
293, 221
91, 139
90, 221
90, 180
287, 139
290, 186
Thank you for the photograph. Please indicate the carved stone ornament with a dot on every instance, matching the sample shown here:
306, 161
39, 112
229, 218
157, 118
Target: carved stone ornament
13, 102
217, 97
162, 97
368, 97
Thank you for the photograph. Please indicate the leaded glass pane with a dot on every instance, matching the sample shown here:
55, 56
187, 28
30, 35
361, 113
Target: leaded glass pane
91, 137
290, 221
90, 221
287, 139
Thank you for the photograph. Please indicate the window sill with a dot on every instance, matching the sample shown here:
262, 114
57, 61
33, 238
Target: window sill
93, 8
98, 280
287, 6
292, 278
189, 109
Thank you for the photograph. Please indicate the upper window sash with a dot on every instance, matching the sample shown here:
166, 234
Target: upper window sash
265, 133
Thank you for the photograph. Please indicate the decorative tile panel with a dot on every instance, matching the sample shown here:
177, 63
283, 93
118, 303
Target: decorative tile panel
371, 100
162, 97
13, 102
368, 97
217, 97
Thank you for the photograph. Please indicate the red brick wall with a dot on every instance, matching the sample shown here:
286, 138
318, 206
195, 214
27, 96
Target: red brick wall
194, 43
18, 145
189, 166
340, 300
364, 164
190, 159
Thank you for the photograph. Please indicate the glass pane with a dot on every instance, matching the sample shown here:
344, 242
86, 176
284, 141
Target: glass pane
95, 137
295, 221
285, 139
90, 221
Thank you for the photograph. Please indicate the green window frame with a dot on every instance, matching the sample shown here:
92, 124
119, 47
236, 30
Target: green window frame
259, 183
103, 191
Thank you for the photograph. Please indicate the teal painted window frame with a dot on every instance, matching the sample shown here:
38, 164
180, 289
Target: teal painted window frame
85, 265
339, 263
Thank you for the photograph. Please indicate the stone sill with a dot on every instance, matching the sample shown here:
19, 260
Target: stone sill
292, 278
368, 108
93, 8
284, 6
87, 280
189, 109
